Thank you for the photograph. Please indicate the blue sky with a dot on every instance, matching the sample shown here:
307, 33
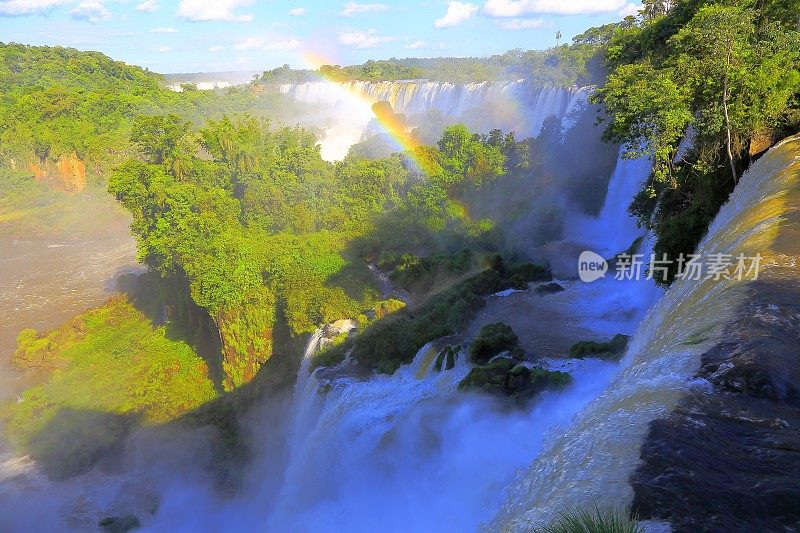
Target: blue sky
213, 35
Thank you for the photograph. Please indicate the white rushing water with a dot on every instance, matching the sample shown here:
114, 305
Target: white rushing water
408, 452
614, 229
514, 106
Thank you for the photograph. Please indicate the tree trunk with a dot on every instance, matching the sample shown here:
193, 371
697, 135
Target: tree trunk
725, 97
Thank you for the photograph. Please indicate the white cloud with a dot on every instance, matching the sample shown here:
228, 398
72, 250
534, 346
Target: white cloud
456, 14
521, 24
216, 48
90, 10
160, 49
362, 40
15, 8
630, 10
352, 8
148, 6
289, 44
163, 30
204, 10
249, 43
259, 43
517, 8
298, 12
415, 45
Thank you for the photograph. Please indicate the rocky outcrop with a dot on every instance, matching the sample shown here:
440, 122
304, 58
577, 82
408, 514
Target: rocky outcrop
492, 339
68, 172
549, 288
119, 524
732, 456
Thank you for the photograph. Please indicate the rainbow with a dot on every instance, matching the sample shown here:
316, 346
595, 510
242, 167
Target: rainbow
394, 126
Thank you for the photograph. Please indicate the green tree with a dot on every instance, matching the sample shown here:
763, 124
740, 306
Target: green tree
158, 136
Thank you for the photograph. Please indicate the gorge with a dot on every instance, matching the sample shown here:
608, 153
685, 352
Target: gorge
542, 290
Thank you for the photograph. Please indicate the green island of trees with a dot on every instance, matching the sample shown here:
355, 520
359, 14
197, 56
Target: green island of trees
263, 231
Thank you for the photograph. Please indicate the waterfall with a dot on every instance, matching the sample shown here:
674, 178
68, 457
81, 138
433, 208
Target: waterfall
591, 462
511, 106
614, 229
372, 449
305, 398
406, 452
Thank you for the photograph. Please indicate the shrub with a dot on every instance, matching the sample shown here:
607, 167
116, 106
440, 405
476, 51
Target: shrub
602, 350
521, 274
492, 339
613, 520
506, 378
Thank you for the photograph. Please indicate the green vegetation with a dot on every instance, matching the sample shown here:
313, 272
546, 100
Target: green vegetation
372, 70
266, 232
491, 340
597, 520
420, 275
105, 371
578, 63
395, 340
613, 349
66, 118
506, 378
723, 75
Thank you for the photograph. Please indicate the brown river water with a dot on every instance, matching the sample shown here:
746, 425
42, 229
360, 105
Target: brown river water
46, 281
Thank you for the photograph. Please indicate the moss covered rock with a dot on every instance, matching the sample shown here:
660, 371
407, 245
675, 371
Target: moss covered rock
446, 359
506, 378
491, 340
601, 350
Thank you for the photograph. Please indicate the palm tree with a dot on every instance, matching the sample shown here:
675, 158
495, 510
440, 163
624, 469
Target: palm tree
655, 8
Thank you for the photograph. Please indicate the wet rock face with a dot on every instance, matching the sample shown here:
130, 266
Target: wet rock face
549, 288
119, 524
729, 459
446, 358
